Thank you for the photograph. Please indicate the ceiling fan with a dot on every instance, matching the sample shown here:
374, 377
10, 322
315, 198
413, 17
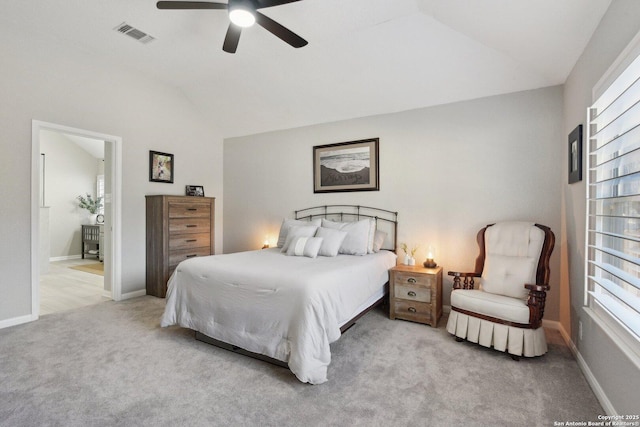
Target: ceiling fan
242, 13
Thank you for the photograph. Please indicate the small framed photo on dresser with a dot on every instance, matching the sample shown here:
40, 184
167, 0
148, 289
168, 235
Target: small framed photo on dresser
194, 190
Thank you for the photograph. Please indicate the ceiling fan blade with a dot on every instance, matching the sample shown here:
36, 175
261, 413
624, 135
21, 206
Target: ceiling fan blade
279, 31
270, 3
190, 5
232, 38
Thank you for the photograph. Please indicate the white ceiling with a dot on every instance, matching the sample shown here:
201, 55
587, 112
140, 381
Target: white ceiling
364, 57
94, 147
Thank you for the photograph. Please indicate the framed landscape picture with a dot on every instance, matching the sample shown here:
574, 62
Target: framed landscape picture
346, 166
160, 167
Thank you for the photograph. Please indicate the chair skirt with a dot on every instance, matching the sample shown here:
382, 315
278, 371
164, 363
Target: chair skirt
516, 341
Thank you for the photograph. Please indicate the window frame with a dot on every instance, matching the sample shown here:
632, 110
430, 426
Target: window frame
627, 341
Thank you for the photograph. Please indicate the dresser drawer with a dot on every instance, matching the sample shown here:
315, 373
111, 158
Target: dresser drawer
409, 279
412, 310
189, 210
412, 293
188, 241
179, 255
189, 225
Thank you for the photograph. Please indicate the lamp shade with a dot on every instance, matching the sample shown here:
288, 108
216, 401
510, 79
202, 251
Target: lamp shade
429, 262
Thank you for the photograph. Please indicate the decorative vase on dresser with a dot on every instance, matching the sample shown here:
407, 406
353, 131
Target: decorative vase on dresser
178, 228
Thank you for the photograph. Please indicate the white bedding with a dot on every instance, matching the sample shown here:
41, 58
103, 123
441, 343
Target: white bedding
289, 308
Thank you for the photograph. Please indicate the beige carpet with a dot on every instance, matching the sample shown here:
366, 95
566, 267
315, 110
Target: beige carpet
95, 268
112, 365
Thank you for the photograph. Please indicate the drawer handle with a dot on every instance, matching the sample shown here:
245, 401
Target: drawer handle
411, 294
411, 280
192, 209
191, 256
191, 240
190, 225
411, 310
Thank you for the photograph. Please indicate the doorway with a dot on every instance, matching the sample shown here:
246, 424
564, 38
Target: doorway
109, 249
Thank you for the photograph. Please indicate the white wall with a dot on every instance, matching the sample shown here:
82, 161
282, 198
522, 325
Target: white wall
617, 376
70, 171
46, 82
447, 170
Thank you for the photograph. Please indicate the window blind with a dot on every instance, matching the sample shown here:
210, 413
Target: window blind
613, 206
100, 190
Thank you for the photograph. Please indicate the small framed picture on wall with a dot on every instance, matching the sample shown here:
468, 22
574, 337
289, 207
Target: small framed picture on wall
161, 167
575, 155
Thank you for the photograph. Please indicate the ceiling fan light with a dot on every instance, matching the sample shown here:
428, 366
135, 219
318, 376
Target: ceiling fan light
242, 17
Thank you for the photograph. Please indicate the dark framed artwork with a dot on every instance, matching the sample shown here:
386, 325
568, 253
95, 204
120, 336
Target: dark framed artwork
194, 190
575, 155
161, 168
346, 166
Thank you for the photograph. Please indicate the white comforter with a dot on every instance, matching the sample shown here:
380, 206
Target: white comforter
286, 307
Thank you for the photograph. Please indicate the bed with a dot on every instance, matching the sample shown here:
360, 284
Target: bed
288, 304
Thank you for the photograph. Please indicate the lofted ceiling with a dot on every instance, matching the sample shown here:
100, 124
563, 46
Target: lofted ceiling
364, 57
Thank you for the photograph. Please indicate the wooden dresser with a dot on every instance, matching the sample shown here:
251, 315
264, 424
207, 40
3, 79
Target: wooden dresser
415, 294
178, 227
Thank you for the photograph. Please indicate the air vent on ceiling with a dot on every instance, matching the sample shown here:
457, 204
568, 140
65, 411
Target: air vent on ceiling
133, 32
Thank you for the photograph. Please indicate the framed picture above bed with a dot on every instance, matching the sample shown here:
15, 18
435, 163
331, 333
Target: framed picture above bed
160, 167
346, 166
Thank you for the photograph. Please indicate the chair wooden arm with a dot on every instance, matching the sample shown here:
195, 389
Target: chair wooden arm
468, 282
536, 302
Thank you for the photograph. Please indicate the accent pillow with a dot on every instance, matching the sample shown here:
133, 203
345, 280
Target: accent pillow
305, 246
358, 239
507, 275
378, 240
288, 223
332, 240
298, 231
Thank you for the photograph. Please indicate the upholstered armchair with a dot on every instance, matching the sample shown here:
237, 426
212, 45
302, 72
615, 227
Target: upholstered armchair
505, 311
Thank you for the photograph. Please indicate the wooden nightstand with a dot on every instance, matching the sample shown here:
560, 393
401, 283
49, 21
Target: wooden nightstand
415, 293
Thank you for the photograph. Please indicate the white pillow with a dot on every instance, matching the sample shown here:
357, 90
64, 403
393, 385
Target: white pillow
358, 239
288, 223
305, 246
298, 231
378, 240
332, 240
372, 235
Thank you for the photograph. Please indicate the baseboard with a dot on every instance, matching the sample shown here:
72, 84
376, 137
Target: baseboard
17, 321
591, 379
134, 294
595, 386
64, 258
555, 325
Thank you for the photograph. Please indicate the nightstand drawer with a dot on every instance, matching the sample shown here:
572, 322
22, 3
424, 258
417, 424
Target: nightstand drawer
412, 292
407, 278
415, 293
412, 310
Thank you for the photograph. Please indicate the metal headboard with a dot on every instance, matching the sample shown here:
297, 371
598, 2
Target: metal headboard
386, 220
